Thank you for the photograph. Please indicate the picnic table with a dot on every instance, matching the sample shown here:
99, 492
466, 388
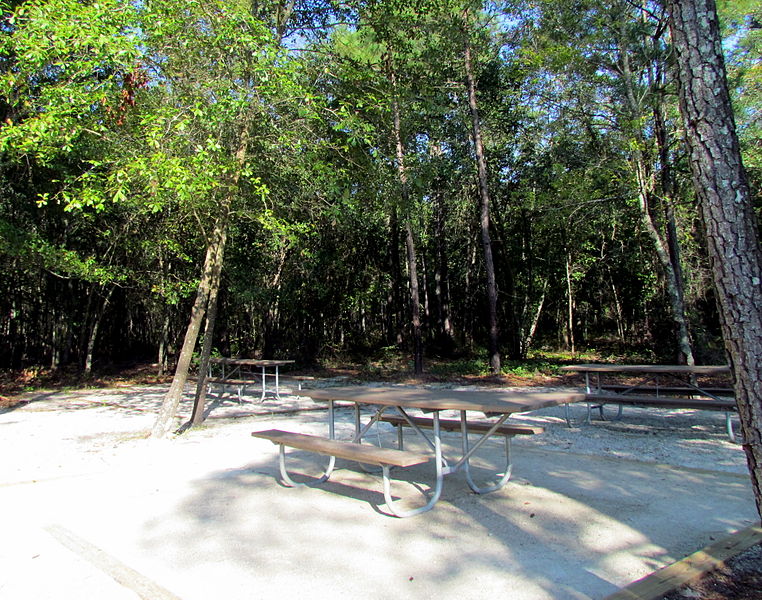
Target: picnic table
496, 406
243, 372
682, 389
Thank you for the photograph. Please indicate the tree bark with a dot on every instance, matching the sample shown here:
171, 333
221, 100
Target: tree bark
481, 166
731, 226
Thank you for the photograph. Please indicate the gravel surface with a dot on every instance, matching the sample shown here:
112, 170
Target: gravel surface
119, 418
57, 439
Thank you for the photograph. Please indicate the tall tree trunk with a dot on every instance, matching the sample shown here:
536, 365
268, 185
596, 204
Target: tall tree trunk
414, 299
671, 273
441, 275
393, 328
644, 179
481, 165
570, 305
528, 334
727, 210
412, 268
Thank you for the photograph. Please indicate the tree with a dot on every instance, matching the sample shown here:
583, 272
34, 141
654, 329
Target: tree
484, 194
728, 213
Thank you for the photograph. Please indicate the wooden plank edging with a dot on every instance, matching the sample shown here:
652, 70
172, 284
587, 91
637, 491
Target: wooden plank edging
692, 567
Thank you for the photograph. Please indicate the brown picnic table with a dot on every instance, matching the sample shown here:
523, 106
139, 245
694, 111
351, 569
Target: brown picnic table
682, 390
495, 405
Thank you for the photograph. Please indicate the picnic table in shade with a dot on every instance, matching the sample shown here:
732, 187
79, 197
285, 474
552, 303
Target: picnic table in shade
495, 405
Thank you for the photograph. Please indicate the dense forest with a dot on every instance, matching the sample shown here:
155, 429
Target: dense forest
315, 179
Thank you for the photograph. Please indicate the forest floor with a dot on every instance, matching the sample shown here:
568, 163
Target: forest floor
739, 579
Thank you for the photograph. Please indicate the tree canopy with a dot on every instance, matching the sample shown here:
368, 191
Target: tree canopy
333, 144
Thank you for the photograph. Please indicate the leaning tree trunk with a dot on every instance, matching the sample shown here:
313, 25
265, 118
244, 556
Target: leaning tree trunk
197, 416
214, 253
481, 165
727, 210
671, 271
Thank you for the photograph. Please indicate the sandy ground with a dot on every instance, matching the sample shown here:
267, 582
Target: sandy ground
92, 509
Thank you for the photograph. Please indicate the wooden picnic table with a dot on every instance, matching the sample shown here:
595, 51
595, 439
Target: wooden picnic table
648, 390
242, 372
496, 404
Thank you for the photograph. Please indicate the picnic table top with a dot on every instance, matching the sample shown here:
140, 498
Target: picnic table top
250, 362
485, 401
613, 368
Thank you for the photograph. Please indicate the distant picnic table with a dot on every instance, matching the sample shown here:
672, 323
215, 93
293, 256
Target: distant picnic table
681, 391
242, 372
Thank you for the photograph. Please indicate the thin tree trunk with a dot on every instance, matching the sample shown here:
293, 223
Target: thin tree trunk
727, 210
618, 308
674, 287
645, 184
393, 328
441, 275
481, 165
570, 305
164, 342
415, 301
528, 338
426, 303
97, 318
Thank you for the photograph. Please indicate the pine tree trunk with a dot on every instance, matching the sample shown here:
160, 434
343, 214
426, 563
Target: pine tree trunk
481, 165
727, 210
415, 300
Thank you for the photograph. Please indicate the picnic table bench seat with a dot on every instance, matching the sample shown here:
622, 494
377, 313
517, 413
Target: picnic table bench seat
667, 389
663, 401
362, 453
455, 425
727, 405
371, 455
229, 381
